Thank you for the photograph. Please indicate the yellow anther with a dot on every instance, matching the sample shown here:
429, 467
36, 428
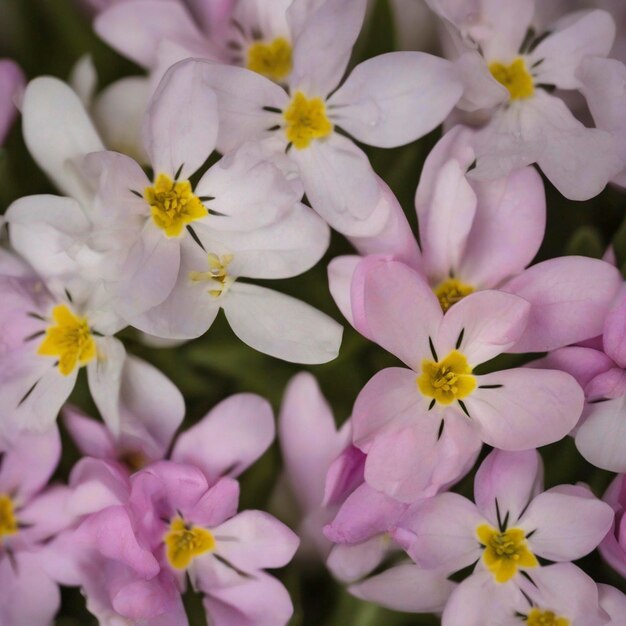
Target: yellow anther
69, 339
271, 59
515, 77
8, 521
505, 551
217, 277
184, 543
451, 291
447, 380
538, 617
306, 120
173, 205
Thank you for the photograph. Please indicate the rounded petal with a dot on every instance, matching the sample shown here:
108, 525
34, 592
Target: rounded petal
90, 436
395, 307
566, 526
508, 228
614, 335
613, 602
406, 588
482, 325
323, 47
349, 562
522, 408
281, 326
12, 82
570, 298
340, 272
396, 98
601, 438
180, 126
230, 438
506, 482
57, 147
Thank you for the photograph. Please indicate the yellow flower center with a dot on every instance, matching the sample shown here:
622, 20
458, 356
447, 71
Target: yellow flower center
515, 77
173, 205
451, 291
538, 617
447, 380
271, 59
306, 120
217, 277
183, 543
505, 551
8, 521
69, 339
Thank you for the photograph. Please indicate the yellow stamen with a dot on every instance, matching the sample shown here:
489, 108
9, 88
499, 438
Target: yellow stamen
538, 617
184, 543
447, 380
451, 291
271, 59
8, 521
217, 276
173, 205
505, 552
515, 77
306, 120
69, 339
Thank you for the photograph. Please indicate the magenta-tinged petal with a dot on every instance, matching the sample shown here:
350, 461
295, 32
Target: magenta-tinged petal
482, 325
217, 504
523, 408
111, 533
146, 599
565, 526
28, 462
12, 82
584, 364
45, 516
259, 601
91, 436
97, 485
406, 588
442, 532
255, 540
309, 439
613, 602
615, 330
365, 513
610, 384
345, 473
613, 547
232, 436
508, 228
570, 298
396, 308
506, 482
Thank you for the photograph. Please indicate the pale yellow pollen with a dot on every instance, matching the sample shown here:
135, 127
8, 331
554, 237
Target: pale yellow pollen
515, 77
69, 339
217, 276
539, 617
505, 551
447, 380
173, 205
184, 543
306, 120
451, 291
8, 521
272, 59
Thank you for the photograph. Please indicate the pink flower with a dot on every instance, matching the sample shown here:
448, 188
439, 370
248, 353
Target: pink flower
613, 548
422, 427
12, 83
512, 523
30, 515
600, 436
477, 235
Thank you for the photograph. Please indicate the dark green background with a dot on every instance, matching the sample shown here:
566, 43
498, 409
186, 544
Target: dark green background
48, 37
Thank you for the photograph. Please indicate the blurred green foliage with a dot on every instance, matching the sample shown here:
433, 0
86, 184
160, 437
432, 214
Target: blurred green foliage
48, 37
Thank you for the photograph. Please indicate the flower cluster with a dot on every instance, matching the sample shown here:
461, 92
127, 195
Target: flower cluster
183, 191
